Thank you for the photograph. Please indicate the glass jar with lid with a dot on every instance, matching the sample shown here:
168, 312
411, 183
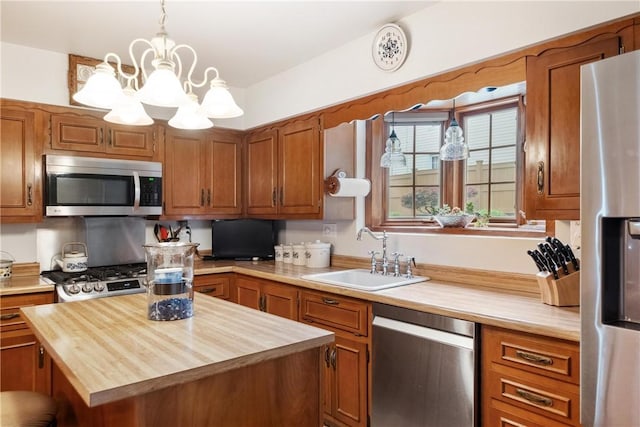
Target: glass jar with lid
170, 280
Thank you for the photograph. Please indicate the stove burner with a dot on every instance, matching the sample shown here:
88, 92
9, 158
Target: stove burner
97, 282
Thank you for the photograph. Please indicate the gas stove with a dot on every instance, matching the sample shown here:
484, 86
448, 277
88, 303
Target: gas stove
98, 282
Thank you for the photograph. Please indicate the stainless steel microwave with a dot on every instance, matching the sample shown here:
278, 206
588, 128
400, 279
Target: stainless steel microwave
87, 186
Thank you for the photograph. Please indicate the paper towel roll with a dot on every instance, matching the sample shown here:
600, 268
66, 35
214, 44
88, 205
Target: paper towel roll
347, 187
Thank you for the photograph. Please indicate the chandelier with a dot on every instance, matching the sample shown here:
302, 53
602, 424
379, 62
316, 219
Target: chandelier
163, 86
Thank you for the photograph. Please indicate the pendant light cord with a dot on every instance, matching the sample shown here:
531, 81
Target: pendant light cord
163, 15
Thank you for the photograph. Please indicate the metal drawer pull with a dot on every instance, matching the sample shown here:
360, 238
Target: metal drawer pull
334, 357
329, 301
9, 316
535, 358
540, 177
207, 290
326, 356
534, 398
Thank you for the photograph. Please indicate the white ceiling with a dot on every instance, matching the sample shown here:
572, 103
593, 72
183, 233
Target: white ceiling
248, 41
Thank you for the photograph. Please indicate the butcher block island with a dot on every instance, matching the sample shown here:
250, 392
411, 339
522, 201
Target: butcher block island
225, 366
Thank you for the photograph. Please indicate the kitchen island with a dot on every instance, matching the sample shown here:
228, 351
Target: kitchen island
225, 366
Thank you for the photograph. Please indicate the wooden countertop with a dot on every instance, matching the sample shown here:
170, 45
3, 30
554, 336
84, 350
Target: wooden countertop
24, 285
109, 350
470, 302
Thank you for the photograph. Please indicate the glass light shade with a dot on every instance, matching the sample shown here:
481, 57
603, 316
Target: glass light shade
190, 116
163, 89
393, 155
129, 111
102, 89
218, 102
454, 147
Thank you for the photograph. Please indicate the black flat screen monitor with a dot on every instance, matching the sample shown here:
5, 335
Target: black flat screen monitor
243, 239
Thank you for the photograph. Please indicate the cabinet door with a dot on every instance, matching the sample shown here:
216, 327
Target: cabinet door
261, 182
184, 186
223, 174
131, 140
350, 394
552, 189
299, 166
247, 292
20, 165
25, 364
77, 133
280, 300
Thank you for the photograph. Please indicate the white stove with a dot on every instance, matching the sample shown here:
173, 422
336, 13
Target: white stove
98, 282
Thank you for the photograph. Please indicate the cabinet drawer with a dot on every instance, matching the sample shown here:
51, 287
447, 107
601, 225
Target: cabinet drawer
212, 286
557, 400
550, 357
501, 414
10, 315
334, 311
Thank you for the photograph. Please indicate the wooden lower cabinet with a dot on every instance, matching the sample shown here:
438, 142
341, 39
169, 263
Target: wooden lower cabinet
214, 285
529, 380
25, 364
345, 368
266, 295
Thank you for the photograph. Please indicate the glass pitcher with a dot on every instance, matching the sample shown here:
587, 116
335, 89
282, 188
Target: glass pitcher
170, 280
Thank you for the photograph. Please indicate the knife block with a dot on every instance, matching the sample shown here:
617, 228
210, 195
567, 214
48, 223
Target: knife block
561, 292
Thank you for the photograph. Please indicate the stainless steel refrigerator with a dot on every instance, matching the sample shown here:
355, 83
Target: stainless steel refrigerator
610, 225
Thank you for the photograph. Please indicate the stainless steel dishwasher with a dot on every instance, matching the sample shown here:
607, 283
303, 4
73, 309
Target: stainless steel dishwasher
424, 369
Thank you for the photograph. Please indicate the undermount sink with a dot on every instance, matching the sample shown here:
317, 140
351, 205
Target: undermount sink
362, 279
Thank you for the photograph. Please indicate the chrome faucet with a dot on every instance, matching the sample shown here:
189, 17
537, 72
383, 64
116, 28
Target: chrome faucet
385, 260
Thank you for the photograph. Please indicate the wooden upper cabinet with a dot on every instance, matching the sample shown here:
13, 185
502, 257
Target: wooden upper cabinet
299, 164
183, 180
284, 171
89, 134
223, 172
202, 172
20, 165
552, 187
262, 180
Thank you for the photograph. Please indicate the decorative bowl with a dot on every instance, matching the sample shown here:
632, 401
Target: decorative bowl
459, 221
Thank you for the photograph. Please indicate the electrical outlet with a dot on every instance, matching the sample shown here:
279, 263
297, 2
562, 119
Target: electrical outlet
330, 230
576, 235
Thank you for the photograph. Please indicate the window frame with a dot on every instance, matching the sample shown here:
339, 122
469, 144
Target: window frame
452, 182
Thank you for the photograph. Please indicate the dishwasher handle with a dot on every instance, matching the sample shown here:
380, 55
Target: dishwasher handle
422, 332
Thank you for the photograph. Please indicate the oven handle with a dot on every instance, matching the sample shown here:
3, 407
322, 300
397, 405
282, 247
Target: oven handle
423, 332
136, 191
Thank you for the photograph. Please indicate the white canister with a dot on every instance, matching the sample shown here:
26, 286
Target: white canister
318, 254
298, 254
286, 254
278, 249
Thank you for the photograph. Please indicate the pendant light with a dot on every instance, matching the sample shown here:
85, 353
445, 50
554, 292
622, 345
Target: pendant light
454, 147
393, 155
167, 81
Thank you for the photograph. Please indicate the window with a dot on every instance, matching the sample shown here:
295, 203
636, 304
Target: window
416, 186
491, 169
489, 181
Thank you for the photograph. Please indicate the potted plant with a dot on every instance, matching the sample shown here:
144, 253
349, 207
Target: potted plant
447, 216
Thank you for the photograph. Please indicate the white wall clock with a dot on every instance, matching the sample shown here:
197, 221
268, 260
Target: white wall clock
389, 47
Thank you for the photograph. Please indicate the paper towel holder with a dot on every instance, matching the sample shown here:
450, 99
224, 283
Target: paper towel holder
331, 184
